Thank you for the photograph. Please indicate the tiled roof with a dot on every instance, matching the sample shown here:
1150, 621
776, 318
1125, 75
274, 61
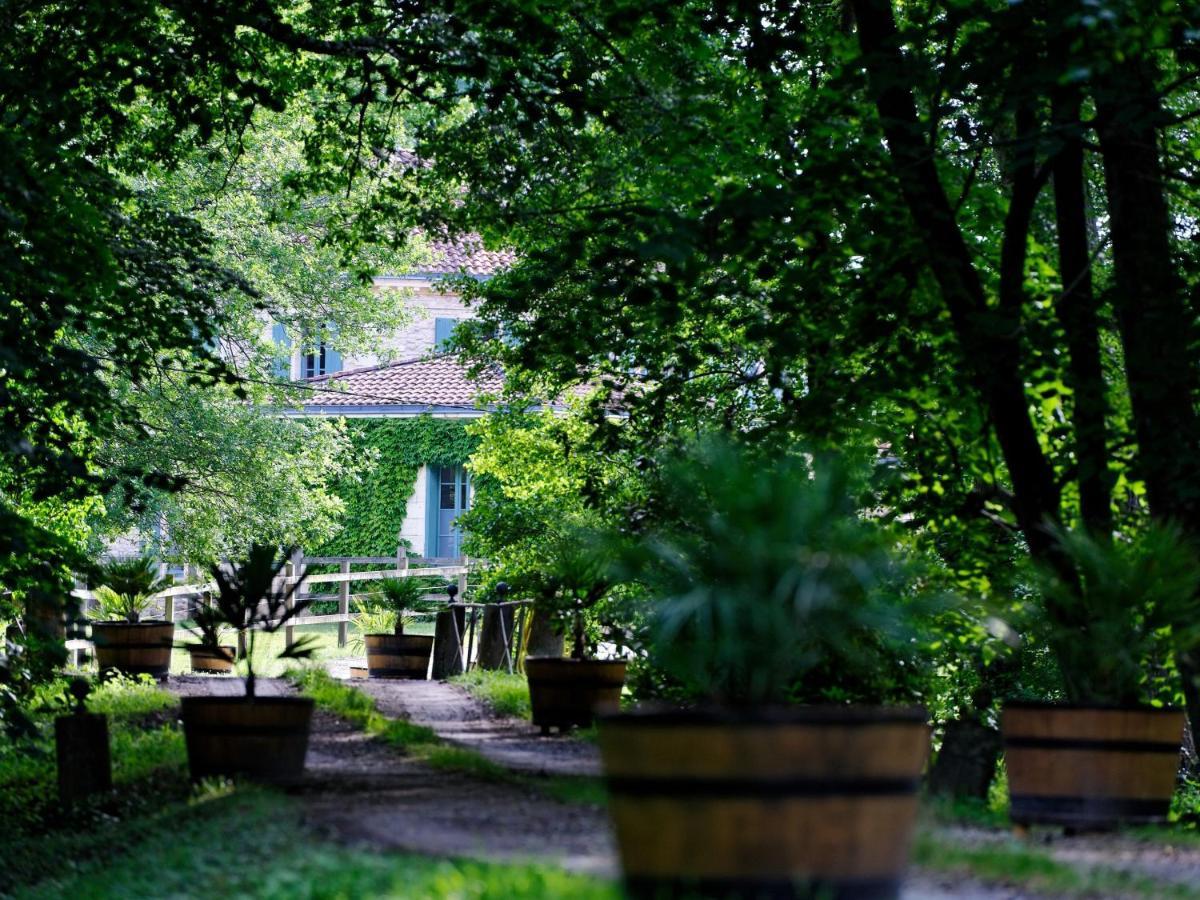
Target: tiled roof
431, 381
466, 255
462, 255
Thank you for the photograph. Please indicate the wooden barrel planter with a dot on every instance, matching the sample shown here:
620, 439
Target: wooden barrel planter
265, 738
1090, 767
398, 655
568, 692
771, 803
135, 648
209, 661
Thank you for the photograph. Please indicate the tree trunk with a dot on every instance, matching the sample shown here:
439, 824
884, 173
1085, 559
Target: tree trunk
990, 342
1152, 310
1076, 310
967, 760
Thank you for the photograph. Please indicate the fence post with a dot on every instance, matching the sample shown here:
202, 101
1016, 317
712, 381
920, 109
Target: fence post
291, 569
343, 602
462, 582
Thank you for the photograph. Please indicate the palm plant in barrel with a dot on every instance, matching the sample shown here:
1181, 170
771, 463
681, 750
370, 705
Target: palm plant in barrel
265, 737
124, 641
786, 618
568, 691
400, 655
1106, 755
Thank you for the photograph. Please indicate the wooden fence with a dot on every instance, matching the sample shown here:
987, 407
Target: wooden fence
296, 572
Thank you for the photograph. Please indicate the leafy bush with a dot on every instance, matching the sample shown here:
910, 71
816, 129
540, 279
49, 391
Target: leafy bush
248, 601
771, 587
404, 599
1117, 607
126, 588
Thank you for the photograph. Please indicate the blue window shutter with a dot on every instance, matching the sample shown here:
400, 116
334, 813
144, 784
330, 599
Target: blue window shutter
333, 359
283, 352
441, 333
433, 476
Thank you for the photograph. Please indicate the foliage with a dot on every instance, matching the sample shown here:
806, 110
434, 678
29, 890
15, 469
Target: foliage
270, 854
1127, 604
126, 588
250, 600
542, 493
243, 474
376, 501
142, 747
405, 599
770, 586
371, 619
507, 695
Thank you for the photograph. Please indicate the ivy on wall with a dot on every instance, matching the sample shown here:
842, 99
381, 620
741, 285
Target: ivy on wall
377, 501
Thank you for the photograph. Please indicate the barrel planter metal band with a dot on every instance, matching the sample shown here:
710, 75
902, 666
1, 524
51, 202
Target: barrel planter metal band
135, 648
265, 738
398, 655
1091, 767
789, 803
568, 692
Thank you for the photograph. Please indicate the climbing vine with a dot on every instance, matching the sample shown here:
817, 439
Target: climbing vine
376, 502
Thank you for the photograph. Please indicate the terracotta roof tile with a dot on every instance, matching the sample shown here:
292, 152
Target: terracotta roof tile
430, 381
466, 255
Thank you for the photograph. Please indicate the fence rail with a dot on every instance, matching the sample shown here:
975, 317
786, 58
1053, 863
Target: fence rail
295, 574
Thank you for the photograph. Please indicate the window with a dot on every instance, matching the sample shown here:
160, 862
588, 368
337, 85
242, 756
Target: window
442, 330
323, 360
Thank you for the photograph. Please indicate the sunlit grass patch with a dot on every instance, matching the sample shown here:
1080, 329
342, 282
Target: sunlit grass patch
507, 695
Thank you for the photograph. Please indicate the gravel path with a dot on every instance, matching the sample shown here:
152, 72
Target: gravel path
461, 719
362, 792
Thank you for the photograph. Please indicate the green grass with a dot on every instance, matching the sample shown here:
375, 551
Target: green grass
507, 695
149, 766
251, 843
422, 743
1014, 863
360, 709
268, 647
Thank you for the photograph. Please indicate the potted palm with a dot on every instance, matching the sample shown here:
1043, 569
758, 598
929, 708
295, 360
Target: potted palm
395, 654
1105, 755
124, 641
567, 691
787, 621
263, 737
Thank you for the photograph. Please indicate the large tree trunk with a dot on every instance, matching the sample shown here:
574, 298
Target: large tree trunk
989, 340
1076, 310
1152, 311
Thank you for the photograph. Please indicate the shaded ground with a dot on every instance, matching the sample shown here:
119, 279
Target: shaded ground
364, 793
465, 721
361, 791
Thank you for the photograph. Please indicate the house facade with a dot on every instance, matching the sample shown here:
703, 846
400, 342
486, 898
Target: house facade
410, 378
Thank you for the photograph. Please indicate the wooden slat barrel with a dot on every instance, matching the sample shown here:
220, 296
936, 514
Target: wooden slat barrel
359, 672
1090, 767
568, 692
398, 655
205, 659
784, 803
265, 738
134, 648
83, 757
